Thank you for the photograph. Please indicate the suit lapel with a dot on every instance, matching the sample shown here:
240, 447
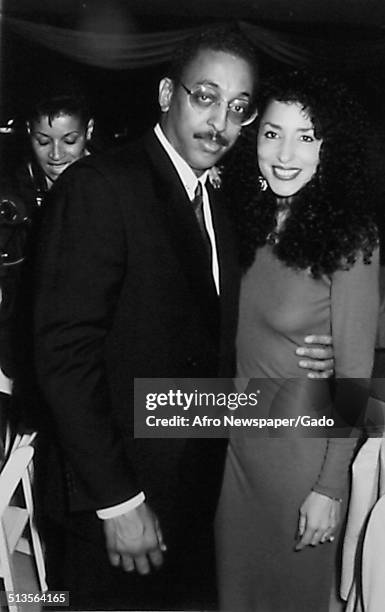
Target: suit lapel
178, 218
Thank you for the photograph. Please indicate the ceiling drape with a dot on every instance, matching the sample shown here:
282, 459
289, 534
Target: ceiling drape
133, 49
136, 50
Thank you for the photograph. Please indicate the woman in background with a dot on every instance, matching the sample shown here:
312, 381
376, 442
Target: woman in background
300, 182
59, 127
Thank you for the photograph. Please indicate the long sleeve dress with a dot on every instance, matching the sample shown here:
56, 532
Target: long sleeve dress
269, 475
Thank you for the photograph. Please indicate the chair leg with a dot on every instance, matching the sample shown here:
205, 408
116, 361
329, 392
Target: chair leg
36, 542
6, 571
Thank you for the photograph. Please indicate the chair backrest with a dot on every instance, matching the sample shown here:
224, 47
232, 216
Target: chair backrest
373, 560
12, 474
14, 519
13, 441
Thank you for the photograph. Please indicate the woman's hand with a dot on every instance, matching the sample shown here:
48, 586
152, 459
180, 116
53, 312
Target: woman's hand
319, 516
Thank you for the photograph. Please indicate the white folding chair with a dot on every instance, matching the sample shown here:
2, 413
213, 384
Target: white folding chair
13, 442
14, 519
373, 560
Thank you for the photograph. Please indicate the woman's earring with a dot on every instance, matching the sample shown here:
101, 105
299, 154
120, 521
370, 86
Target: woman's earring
262, 182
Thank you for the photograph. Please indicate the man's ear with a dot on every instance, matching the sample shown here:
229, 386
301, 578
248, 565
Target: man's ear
89, 129
28, 126
166, 90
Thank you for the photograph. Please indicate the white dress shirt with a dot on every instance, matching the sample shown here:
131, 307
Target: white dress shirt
190, 181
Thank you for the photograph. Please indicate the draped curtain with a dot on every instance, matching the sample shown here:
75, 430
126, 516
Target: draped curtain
129, 50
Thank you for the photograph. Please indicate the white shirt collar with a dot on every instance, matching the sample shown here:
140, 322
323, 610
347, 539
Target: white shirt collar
186, 175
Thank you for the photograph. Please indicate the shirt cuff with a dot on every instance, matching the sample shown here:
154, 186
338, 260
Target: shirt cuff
119, 509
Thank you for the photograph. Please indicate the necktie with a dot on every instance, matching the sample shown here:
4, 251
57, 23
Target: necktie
198, 209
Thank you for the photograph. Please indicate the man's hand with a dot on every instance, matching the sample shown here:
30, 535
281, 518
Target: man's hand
319, 516
134, 540
317, 356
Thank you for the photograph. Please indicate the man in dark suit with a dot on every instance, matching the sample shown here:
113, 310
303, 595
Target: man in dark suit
131, 283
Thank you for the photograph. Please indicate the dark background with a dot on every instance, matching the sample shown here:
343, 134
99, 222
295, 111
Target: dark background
125, 101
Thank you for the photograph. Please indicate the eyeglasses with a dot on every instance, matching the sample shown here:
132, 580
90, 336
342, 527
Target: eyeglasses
203, 98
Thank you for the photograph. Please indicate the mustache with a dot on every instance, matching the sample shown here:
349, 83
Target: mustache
212, 136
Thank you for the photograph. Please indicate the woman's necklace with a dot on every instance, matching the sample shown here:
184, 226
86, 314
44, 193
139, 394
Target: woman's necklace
283, 206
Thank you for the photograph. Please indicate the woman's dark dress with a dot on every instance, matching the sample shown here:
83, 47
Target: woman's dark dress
268, 478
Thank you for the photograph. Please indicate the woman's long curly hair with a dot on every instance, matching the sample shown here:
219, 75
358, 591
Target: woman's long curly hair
331, 220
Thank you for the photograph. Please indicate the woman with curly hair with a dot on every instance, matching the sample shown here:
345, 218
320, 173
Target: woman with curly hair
301, 186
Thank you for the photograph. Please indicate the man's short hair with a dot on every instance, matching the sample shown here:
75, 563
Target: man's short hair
226, 38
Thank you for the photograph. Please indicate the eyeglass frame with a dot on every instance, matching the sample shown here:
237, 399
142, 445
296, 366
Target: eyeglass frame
244, 123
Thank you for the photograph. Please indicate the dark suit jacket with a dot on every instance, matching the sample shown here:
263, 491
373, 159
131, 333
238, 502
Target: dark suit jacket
124, 290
